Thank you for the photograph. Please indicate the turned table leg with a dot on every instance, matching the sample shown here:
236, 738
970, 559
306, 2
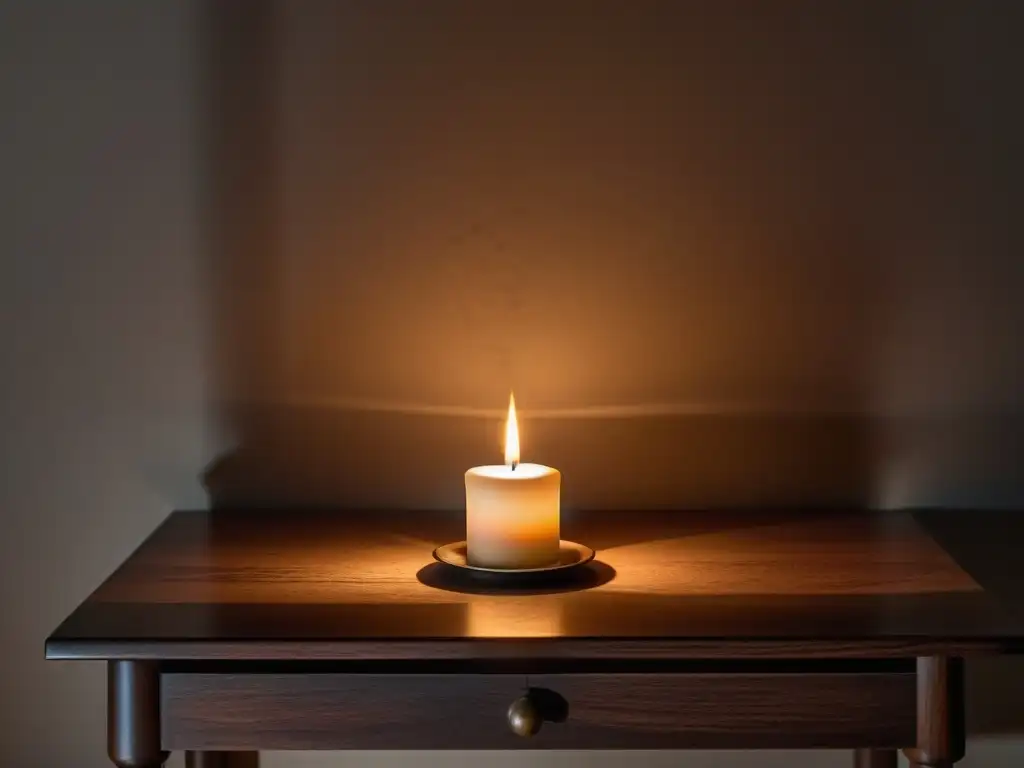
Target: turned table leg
133, 714
875, 758
222, 760
940, 713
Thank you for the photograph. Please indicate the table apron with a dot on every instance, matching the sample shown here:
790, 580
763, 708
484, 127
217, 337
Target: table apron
327, 711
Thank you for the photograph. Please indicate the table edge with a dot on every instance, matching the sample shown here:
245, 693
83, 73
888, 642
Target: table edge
532, 648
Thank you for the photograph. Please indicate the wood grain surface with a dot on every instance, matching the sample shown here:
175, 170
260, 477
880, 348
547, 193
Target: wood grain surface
605, 711
323, 585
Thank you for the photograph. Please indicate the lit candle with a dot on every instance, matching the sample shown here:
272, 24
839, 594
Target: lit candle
512, 510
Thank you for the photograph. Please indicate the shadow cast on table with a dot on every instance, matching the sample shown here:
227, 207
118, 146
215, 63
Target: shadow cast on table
449, 579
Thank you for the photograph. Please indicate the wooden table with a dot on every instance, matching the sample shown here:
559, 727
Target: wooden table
227, 633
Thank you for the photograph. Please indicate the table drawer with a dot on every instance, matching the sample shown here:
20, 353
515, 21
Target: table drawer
284, 711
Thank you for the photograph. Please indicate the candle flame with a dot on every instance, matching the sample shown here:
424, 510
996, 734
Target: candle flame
511, 434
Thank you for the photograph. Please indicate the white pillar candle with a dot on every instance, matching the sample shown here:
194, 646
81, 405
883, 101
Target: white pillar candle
512, 510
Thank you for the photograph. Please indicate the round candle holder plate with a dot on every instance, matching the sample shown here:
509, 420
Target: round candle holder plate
571, 556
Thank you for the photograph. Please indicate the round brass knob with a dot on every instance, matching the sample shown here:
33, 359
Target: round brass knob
524, 718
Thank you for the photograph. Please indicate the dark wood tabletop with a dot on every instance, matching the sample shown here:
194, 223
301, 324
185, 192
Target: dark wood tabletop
319, 585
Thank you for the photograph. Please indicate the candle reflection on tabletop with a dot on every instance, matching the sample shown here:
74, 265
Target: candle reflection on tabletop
535, 616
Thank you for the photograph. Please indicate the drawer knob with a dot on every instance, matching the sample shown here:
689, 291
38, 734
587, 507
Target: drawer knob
524, 718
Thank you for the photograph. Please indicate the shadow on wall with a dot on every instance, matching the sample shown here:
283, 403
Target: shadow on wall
367, 460
726, 255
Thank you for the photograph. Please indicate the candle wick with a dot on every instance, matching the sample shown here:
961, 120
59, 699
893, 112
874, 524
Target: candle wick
514, 465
